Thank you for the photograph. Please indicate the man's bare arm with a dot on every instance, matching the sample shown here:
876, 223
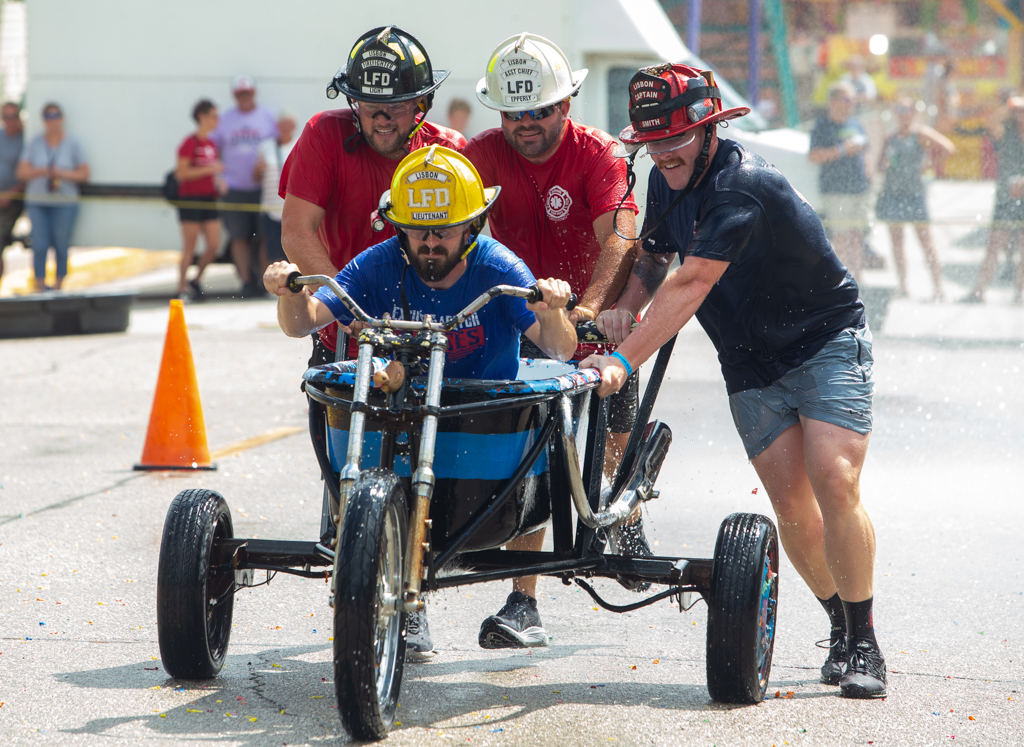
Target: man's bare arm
300, 221
299, 314
675, 303
613, 265
649, 271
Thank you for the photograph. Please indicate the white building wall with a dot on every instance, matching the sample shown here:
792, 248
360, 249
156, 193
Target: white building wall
127, 72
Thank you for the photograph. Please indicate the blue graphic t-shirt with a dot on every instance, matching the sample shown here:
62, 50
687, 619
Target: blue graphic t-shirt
486, 345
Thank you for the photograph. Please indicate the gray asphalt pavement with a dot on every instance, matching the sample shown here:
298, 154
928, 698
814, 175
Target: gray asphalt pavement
80, 534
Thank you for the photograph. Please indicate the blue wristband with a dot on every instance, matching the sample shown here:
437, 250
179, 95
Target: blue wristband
622, 359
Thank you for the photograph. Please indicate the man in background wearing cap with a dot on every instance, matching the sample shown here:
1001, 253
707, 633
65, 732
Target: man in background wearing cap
561, 187
789, 327
344, 159
238, 136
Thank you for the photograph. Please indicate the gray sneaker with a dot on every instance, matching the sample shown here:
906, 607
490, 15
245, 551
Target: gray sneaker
629, 539
418, 646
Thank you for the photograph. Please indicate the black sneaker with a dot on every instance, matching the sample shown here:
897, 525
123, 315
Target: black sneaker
517, 625
835, 665
197, 290
418, 646
629, 539
865, 671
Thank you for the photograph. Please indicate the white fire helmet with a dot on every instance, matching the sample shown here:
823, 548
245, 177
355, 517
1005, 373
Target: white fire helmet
527, 72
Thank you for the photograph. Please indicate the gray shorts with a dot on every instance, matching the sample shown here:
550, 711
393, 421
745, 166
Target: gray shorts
833, 386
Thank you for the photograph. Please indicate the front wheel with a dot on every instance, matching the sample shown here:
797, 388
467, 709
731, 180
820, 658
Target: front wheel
369, 640
741, 609
194, 598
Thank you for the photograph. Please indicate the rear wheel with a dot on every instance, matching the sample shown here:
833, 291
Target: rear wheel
194, 599
741, 609
369, 629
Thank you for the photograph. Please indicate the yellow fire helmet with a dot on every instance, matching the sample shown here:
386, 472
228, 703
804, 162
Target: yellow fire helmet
436, 187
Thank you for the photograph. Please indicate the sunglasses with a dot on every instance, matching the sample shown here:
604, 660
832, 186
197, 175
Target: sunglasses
52, 115
11, 117
535, 114
420, 234
398, 109
657, 147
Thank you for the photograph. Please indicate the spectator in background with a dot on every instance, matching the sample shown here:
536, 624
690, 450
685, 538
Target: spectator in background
837, 144
11, 203
903, 198
198, 172
272, 155
459, 113
52, 165
865, 91
1007, 129
237, 137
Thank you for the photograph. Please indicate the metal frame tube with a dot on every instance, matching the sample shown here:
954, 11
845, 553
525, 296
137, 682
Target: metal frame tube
619, 510
423, 478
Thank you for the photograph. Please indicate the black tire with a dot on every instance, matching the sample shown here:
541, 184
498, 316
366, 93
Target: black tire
193, 601
369, 643
741, 609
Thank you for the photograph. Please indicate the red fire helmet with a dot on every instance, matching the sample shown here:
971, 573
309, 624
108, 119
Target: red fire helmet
667, 100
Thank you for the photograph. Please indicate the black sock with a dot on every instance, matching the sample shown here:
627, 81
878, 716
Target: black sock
834, 609
860, 622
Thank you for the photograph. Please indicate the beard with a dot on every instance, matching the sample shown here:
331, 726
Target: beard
535, 147
435, 267
392, 144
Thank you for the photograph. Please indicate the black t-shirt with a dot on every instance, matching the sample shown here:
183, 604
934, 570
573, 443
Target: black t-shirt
785, 293
847, 174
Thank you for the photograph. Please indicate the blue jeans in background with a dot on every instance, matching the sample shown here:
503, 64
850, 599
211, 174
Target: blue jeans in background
51, 226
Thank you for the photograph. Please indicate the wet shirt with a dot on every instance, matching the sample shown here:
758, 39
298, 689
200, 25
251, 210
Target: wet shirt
545, 212
238, 137
847, 174
199, 153
486, 345
334, 168
785, 293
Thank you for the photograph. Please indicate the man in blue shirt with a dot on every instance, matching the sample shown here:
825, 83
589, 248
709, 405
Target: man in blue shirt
785, 316
438, 205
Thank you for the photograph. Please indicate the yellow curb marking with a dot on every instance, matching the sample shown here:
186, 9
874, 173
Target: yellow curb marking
274, 434
93, 267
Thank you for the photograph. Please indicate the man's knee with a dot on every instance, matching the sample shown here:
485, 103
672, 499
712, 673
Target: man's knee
837, 489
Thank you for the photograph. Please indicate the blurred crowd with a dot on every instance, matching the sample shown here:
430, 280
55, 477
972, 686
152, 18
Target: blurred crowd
890, 165
229, 170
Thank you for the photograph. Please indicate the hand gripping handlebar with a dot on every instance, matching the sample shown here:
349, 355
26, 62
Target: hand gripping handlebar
532, 295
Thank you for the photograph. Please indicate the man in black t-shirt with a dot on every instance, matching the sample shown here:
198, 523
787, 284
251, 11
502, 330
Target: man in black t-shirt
838, 144
786, 319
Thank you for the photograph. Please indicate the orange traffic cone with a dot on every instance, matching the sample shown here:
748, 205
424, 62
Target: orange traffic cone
176, 438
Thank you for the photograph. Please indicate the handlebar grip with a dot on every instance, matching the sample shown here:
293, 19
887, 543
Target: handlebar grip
536, 295
292, 285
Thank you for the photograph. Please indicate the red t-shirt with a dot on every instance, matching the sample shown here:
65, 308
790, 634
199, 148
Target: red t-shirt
347, 182
199, 153
545, 213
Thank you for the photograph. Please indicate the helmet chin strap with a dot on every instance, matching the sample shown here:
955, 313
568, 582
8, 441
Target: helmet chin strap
699, 167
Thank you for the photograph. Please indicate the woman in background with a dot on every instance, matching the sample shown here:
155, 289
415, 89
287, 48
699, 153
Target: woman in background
52, 165
198, 173
902, 199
